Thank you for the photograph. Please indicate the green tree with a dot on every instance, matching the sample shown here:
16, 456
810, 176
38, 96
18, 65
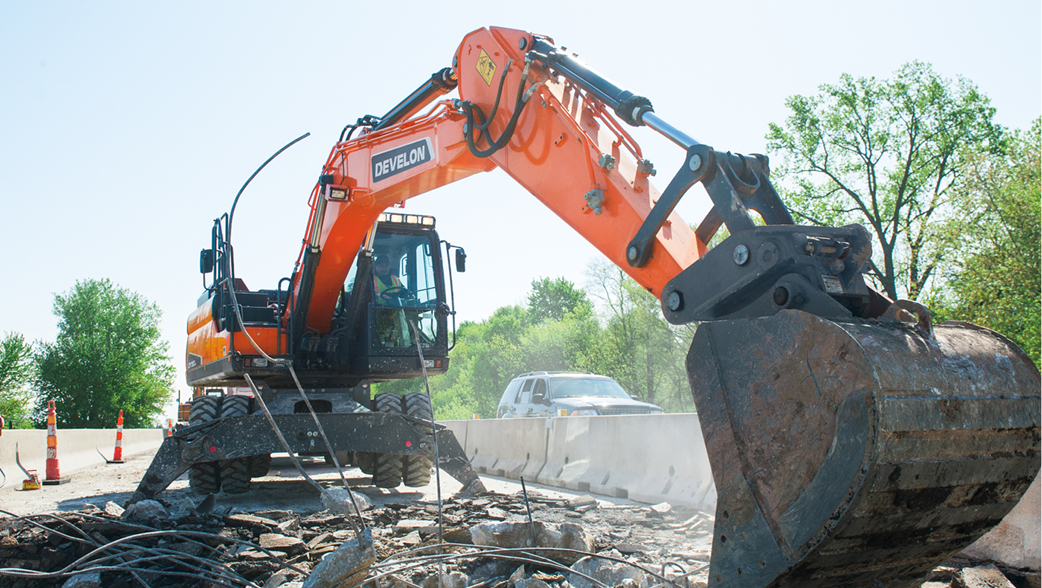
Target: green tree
554, 298
889, 154
486, 357
490, 353
641, 351
16, 370
108, 356
996, 233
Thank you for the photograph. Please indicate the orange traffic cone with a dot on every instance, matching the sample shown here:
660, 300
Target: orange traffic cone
117, 455
53, 474
169, 427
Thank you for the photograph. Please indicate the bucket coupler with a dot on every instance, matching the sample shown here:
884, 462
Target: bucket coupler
764, 270
858, 452
757, 270
244, 436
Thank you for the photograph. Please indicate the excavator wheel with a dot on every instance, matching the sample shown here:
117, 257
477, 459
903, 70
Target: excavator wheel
416, 468
387, 467
259, 465
204, 478
235, 473
365, 462
862, 452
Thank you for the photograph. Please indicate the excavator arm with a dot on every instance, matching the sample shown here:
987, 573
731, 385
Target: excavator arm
853, 442
556, 141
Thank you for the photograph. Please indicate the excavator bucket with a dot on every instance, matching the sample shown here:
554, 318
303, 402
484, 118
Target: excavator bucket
858, 453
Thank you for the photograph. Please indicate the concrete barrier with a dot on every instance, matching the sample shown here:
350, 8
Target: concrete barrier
662, 458
511, 451
77, 448
568, 447
650, 458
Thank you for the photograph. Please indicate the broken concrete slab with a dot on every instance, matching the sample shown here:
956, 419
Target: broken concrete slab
661, 508
338, 500
450, 580
585, 500
289, 545
610, 573
346, 566
248, 520
981, 577
146, 511
113, 509
519, 534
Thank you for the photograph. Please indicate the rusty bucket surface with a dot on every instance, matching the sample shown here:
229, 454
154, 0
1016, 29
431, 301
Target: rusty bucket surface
859, 453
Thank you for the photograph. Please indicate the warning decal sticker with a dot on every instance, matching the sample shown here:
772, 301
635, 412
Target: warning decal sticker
486, 67
400, 159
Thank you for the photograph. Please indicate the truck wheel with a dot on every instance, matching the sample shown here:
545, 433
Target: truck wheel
259, 465
204, 478
416, 468
235, 473
387, 467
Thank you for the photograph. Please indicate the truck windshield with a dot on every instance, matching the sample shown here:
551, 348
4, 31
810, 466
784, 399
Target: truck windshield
580, 387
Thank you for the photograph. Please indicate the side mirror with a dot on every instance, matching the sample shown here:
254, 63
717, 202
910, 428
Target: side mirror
206, 261
461, 261
538, 398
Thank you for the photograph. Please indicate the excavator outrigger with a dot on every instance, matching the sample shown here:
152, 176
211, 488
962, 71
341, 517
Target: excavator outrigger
852, 441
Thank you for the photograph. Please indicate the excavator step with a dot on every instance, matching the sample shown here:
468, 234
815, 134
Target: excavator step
860, 453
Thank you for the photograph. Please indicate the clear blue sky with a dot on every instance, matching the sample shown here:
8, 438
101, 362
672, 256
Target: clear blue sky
126, 127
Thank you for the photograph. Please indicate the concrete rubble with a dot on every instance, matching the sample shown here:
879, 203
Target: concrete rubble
578, 543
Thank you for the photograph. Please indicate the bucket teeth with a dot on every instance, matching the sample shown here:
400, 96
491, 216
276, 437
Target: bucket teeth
861, 452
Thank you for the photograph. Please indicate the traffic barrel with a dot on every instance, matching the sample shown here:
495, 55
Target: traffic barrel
53, 473
117, 455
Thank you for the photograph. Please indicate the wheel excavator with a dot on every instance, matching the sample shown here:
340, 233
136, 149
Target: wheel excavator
853, 442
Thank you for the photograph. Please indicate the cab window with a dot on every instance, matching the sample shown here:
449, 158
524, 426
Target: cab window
540, 387
404, 290
525, 394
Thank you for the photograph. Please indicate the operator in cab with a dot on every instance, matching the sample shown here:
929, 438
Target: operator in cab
383, 279
392, 330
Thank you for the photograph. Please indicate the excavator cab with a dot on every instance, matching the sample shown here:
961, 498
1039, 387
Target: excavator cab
394, 305
395, 301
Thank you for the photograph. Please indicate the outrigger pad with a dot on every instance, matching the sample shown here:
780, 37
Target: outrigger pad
453, 461
858, 453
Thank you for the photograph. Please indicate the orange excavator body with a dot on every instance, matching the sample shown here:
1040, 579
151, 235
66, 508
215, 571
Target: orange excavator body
852, 442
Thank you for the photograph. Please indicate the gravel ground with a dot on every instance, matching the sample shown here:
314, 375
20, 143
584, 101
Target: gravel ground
284, 515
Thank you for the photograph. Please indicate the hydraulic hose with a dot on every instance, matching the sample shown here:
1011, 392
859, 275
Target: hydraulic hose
508, 132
